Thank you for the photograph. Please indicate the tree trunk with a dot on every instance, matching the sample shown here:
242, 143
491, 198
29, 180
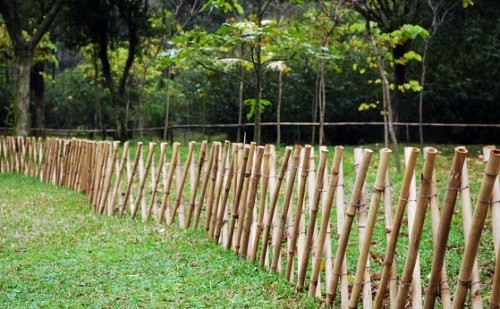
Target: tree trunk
278, 108
322, 103
21, 91
167, 104
37, 84
399, 79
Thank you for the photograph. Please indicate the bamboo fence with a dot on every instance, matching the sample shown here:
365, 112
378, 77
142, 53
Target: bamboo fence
290, 218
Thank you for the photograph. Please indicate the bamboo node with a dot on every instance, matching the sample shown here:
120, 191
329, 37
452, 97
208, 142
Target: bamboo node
377, 187
465, 283
454, 189
464, 188
484, 202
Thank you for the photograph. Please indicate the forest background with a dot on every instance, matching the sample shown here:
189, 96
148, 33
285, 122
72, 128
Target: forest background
125, 65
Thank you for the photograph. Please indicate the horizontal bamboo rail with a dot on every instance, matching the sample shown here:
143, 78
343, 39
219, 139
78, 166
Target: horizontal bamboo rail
282, 218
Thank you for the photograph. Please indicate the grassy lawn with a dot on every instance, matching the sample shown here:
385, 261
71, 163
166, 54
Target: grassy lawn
54, 252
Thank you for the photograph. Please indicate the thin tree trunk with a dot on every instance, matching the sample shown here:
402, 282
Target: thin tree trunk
167, 103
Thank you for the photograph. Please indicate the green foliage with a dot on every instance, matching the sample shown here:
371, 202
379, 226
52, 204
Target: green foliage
251, 103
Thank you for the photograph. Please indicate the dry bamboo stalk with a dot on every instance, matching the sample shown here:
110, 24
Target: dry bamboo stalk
474, 235
204, 187
237, 196
304, 166
213, 182
393, 284
178, 198
495, 202
218, 188
102, 173
130, 180
312, 221
475, 289
438, 271
78, 165
227, 187
192, 202
495, 291
168, 183
262, 205
142, 180
100, 153
362, 219
346, 230
415, 237
286, 205
250, 204
272, 205
157, 177
123, 161
378, 189
108, 179
242, 207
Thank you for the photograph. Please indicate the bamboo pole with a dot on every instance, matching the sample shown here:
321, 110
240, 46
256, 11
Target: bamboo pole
237, 195
418, 222
227, 187
465, 198
256, 173
218, 188
192, 202
204, 186
168, 184
130, 180
108, 178
263, 199
213, 181
142, 181
288, 196
180, 192
156, 181
495, 291
344, 236
304, 166
437, 269
378, 189
495, 202
272, 205
312, 220
393, 284
116, 188
473, 238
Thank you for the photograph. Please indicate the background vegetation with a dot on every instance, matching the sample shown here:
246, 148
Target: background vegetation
131, 64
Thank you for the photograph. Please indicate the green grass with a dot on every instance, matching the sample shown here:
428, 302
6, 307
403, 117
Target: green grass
54, 252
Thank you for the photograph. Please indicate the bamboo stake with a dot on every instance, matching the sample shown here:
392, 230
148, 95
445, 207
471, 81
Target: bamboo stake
204, 186
262, 205
344, 236
227, 187
142, 180
108, 178
157, 177
312, 220
378, 189
437, 268
218, 188
237, 196
242, 207
393, 287
130, 180
183, 180
475, 289
272, 205
288, 196
495, 291
194, 190
473, 238
418, 222
495, 202
362, 212
256, 173
213, 181
123, 161
306, 154
168, 184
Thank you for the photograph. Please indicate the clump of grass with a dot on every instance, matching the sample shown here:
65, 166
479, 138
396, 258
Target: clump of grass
54, 252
